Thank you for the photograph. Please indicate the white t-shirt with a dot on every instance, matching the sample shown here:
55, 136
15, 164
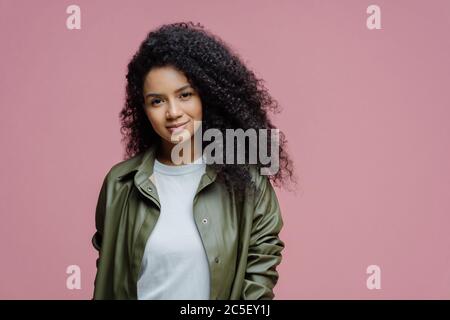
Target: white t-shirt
175, 265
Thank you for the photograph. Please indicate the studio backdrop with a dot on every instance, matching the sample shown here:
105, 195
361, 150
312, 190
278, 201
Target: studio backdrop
365, 110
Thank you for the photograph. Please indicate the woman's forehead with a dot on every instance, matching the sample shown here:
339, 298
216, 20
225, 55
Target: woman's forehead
167, 79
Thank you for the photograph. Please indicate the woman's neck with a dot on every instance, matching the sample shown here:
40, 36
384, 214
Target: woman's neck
164, 153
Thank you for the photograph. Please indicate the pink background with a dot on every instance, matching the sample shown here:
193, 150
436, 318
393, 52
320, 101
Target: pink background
366, 113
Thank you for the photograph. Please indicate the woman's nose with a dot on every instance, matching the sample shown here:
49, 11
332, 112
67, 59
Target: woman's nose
173, 111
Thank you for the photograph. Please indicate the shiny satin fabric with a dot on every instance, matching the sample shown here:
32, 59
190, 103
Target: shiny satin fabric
240, 234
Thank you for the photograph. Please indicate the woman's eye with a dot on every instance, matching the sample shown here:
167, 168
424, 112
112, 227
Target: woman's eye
155, 101
186, 94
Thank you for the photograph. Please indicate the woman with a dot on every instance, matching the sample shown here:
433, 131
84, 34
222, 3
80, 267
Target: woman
189, 229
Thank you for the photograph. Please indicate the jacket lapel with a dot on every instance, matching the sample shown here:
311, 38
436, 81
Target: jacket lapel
144, 182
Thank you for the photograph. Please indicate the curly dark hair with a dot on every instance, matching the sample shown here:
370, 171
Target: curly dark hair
232, 96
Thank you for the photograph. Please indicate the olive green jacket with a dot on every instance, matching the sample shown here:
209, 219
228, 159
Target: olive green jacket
240, 237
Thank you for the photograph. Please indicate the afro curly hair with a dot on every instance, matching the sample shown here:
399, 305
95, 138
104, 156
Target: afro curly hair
232, 96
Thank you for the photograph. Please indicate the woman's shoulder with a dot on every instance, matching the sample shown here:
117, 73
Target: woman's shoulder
258, 177
260, 183
121, 169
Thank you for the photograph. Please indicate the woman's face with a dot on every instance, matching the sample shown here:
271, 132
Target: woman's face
170, 101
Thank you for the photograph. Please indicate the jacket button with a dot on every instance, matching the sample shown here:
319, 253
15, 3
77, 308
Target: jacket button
149, 189
205, 221
216, 260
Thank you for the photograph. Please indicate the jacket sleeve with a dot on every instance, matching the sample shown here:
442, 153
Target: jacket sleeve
99, 219
265, 245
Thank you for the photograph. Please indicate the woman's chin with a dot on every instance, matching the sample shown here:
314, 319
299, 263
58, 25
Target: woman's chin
179, 137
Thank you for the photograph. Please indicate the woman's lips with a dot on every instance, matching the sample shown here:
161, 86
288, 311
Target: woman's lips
178, 128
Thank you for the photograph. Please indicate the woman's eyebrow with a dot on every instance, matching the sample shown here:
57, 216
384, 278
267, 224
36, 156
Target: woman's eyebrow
160, 94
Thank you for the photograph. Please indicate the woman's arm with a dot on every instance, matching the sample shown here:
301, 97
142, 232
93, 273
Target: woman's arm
99, 220
265, 245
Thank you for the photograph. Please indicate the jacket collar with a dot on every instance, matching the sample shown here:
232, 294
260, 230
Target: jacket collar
143, 169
